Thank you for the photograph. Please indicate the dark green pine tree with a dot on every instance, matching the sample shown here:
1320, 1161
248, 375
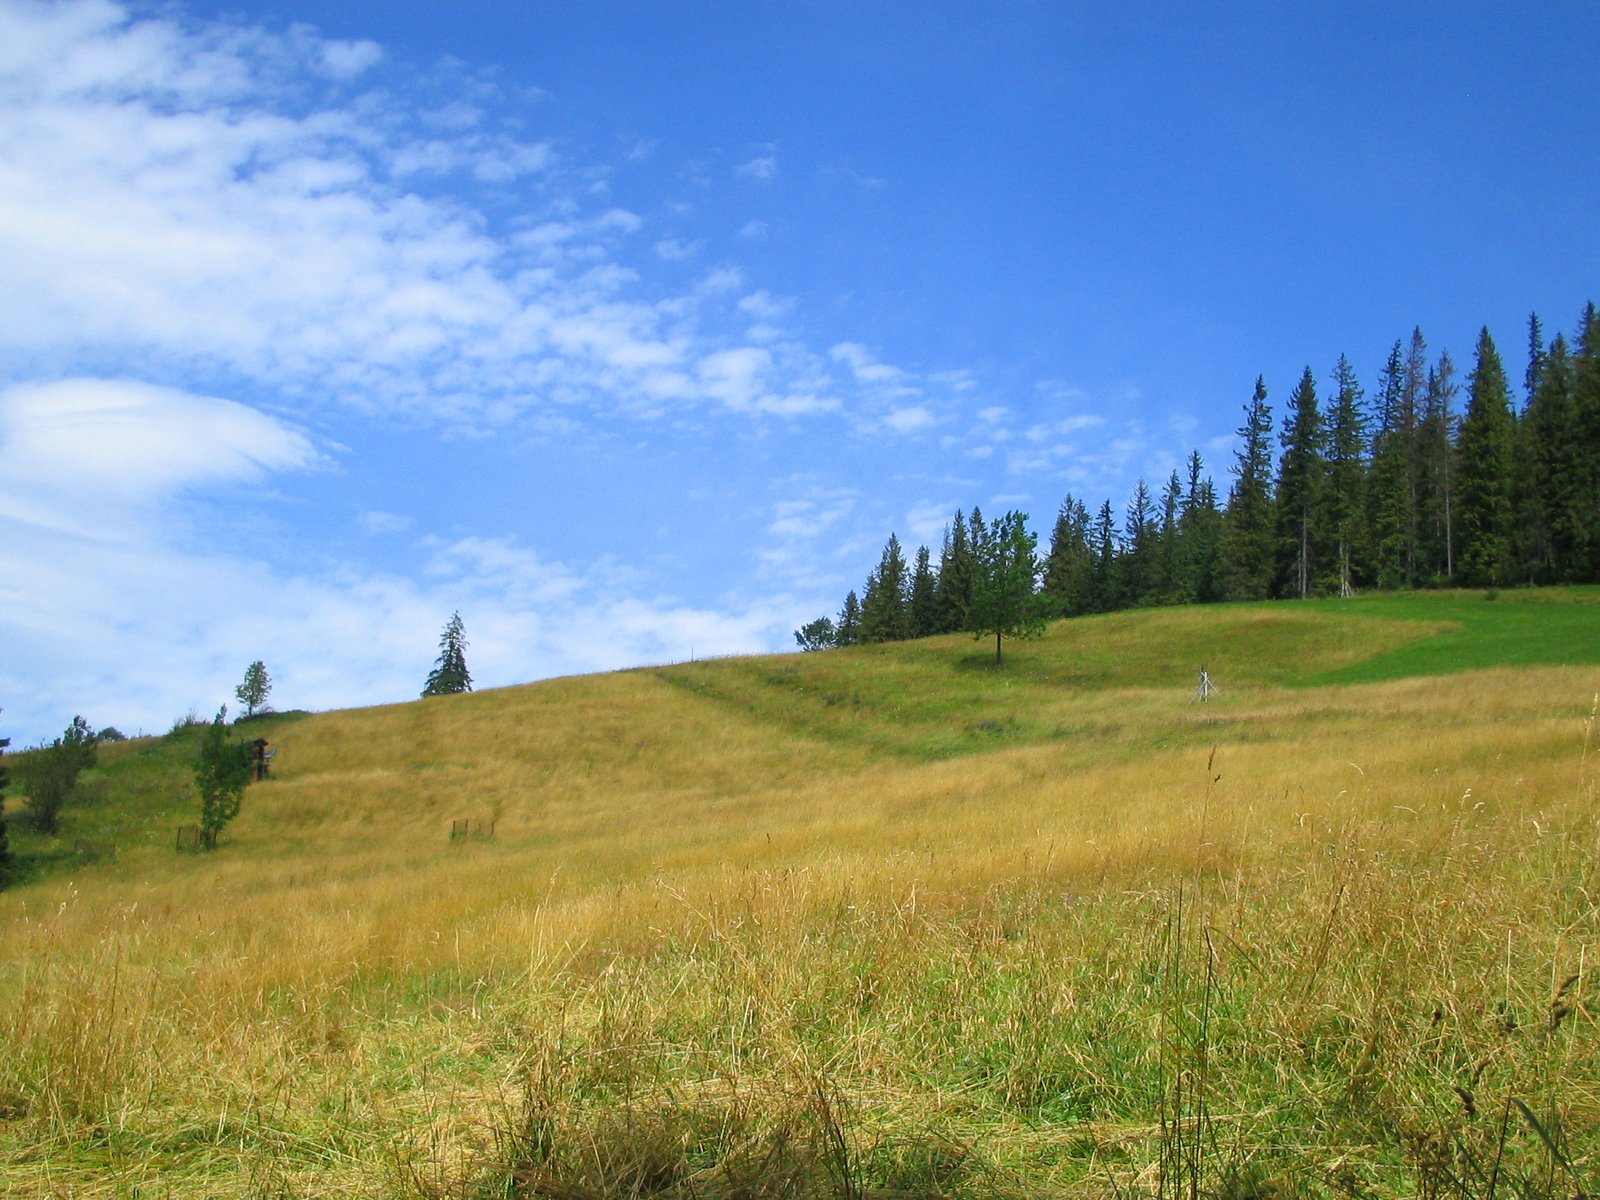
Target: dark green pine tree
1136, 584
1103, 578
1199, 536
1436, 474
1548, 526
1301, 470
847, 629
923, 606
1485, 473
885, 608
1395, 488
1069, 567
954, 591
449, 674
1586, 411
1536, 359
1245, 558
8, 864
1345, 501
1168, 564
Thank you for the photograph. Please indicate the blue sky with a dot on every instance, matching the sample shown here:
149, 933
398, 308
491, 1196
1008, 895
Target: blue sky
632, 330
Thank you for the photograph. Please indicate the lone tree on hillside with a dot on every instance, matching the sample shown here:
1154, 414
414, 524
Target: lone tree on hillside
816, 635
449, 672
1003, 599
252, 693
222, 769
49, 774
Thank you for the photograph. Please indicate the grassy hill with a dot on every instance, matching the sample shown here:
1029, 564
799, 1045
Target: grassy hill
882, 921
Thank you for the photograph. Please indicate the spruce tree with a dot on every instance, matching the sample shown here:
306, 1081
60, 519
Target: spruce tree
1300, 486
1389, 485
8, 863
847, 629
1552, 536
449, 674
1346, 478
1167, 561
1245, 557
1199, 536
1069, 567
1436, 477
885, 612
1485, 474
1103, 576
1137, 565
923, 606
953, 592
1585, 491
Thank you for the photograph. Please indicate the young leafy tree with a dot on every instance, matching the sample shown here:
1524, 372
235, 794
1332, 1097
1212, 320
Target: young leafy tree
49, 774
1301, 472
222, 770
1487, 432
1245, 556
816, 635
1003, 598
449, 674
252, 693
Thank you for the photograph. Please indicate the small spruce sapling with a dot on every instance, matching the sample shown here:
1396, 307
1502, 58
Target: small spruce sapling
222, 770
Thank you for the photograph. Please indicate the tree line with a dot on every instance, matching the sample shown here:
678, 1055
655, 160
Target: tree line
1432, 481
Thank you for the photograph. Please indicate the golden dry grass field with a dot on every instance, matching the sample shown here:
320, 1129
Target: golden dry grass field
881, 922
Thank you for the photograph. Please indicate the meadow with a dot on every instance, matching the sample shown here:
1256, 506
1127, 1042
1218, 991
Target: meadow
877, 922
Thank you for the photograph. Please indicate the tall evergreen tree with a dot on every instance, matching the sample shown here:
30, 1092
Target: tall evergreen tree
449, 674
7, 862
1137, 582
1485, 473
885, 608
1168, 563
923, 604
1300, 488
1554, 440
1103, 579
1199, 536
1346, 477
1396, 481
1436, 478
1069, 567
1245, 557
1585, 385
1536, 359
847, 629
954, 591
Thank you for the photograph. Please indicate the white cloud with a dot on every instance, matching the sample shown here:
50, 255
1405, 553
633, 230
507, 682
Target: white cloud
762, 168
754, 231
79, 453
678, 249
910, 419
